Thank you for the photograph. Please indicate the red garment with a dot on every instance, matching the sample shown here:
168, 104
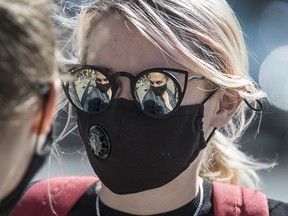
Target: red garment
228, 200
231, 200
65, 192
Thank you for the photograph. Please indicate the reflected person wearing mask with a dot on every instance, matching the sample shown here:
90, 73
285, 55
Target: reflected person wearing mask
97, 97
159, 99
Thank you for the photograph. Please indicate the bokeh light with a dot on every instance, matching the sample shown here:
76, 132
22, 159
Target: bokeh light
273, 77
273, 26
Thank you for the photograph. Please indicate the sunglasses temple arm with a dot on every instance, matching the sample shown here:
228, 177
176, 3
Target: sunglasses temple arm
253, 108
195, 78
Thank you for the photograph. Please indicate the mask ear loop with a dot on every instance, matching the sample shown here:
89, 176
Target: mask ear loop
245, 100
206, 99
248, 104
210, 135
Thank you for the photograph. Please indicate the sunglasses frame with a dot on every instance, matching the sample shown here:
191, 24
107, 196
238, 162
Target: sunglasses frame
72, 69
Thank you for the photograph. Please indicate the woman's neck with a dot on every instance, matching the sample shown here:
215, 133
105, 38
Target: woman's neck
171, 196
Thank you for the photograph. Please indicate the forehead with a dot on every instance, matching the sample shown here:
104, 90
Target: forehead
118, 45
100, 76
157, 76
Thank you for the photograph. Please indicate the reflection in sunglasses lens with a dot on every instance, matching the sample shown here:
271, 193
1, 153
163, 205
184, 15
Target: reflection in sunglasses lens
156, 93
90, 90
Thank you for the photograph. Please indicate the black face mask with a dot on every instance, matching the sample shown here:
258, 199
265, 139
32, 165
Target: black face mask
7, 204
103, 87
131, 152
159, 90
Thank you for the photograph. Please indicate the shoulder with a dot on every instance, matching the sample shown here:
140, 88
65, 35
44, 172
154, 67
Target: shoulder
44, 197
148, 94
85, 206
246, 200
93, 91
277, 208
169, 92
231, 198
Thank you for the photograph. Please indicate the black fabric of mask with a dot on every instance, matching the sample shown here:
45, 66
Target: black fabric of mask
103, 87
7, 204
159, 90
131, 152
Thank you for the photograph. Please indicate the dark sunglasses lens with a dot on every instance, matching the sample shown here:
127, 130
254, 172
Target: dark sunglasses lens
157, 93
90, 90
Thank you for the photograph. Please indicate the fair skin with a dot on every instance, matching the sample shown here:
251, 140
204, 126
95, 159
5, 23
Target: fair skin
18, 144
112, 45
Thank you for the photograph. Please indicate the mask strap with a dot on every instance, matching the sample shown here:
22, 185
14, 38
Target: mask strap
206, 99
211, 134
245, 100
249, 105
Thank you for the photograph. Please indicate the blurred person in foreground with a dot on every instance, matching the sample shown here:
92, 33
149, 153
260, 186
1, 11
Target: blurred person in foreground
27, 94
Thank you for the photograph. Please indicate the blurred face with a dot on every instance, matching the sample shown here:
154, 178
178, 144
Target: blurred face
157, 79
23, 138
16, 148
100, 78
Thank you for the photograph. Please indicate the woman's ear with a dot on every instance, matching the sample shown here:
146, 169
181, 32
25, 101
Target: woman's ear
45, 115
228, 102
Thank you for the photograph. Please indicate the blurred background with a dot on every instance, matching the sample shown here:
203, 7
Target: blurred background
265, 24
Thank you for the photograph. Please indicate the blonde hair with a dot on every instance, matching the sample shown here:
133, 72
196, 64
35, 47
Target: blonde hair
27, 56
205, 37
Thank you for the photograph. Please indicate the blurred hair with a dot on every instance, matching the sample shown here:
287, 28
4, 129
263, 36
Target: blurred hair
27, 56
203, 36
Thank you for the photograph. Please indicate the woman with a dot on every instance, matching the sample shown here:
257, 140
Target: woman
27, 94
164, 164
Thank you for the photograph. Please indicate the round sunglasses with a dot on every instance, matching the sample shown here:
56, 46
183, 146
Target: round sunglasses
157, 92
